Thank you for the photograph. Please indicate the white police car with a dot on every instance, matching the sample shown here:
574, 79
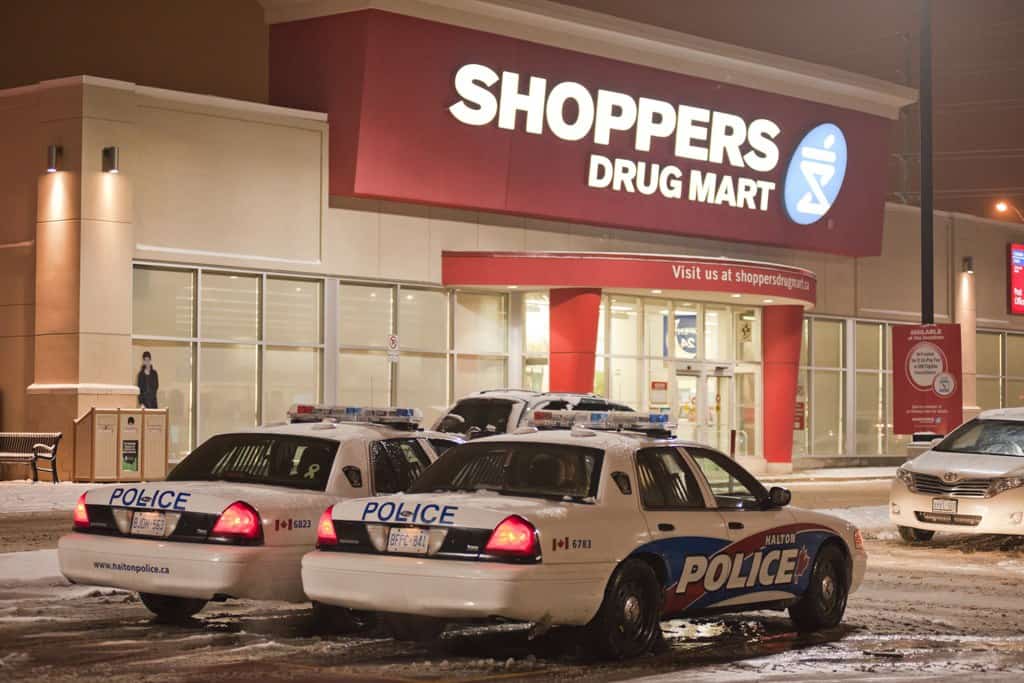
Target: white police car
236, 515
497, 411
599, 525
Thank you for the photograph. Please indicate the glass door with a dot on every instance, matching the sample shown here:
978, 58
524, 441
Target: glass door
687, 410
718, 411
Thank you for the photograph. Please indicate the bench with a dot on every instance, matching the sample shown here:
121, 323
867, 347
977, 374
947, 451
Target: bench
29, 448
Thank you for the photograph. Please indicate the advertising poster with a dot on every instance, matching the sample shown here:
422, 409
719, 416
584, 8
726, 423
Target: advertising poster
926, 378
1017, 279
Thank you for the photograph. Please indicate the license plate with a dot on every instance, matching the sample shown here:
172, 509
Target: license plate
149, 524
412, 541
944, 505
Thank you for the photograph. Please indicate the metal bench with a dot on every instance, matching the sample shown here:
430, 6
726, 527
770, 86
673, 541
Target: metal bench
30, 448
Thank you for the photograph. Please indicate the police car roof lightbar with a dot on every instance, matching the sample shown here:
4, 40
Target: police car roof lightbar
611, 420
388, 416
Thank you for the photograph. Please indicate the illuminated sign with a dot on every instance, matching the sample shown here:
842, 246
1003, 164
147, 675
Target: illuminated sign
815, 174
1017, 279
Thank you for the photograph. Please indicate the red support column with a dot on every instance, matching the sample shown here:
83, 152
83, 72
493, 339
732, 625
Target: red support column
781, 334
573, 332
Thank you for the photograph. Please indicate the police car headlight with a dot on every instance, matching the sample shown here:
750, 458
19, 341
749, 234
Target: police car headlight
906, 477
1000, 485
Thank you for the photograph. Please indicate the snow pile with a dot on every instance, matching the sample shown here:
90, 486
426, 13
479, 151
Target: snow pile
26, 496
32, 567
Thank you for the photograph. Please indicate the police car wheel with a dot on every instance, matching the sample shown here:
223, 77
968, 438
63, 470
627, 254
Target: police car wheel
628, 624
912, 535
412, 627
823, 604
337, 620
170, 609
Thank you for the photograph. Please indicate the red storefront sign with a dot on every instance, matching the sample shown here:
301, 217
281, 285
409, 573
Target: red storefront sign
926, 378
426, 112
1016, 271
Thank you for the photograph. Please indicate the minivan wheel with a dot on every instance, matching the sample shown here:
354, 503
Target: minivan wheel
170, 609
912, 535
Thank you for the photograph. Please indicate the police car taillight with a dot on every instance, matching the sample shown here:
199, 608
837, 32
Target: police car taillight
513, 537
81, 515
239, 521
325, 533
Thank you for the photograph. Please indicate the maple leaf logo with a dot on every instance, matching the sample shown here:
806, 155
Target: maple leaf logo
803, 561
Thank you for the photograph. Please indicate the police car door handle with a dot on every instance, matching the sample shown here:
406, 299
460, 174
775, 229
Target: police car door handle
666, 527
735, 525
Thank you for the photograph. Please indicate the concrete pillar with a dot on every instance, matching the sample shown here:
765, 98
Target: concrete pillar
573, 338
781, 334
967, 317
84, 245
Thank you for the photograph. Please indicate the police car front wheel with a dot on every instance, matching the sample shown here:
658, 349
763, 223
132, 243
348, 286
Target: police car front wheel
628, 624
824, 602
170, 609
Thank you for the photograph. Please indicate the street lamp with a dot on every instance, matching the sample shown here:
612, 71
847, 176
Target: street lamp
1003, 206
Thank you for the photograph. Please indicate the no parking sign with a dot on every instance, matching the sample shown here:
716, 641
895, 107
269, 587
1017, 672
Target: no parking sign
926, 378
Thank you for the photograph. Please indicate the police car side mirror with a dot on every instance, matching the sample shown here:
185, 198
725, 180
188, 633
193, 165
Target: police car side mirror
354, 476
779, 497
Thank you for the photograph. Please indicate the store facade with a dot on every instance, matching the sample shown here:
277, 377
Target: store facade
413, 178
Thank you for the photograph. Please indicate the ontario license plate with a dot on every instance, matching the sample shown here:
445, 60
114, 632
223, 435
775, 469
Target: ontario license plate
149, 524
944, 505
411, 541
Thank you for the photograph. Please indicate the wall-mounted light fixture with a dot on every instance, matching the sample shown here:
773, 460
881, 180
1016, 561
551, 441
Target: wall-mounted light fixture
53, 158
967, 266
111, 161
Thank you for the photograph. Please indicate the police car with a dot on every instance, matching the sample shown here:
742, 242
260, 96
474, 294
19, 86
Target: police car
970, 482
234, 517
611, 523
497, 411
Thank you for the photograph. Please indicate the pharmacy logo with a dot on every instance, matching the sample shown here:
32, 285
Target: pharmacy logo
815, 174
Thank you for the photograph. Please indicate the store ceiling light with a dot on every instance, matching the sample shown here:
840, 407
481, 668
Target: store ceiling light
655, 291
53, 157
735, 296
513, 286
111, 160
769, 301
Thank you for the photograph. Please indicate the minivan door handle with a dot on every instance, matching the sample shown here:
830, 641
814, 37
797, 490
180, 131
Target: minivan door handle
735, 525
666, 527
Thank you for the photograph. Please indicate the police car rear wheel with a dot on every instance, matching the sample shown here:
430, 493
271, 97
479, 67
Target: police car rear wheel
912, 535
628, 623
415, 628
170, 609
824, 603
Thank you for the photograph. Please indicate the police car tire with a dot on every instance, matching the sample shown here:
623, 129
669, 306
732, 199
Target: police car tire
171, 609
824, 603
330, 619
612, 634
911, 535
413, 627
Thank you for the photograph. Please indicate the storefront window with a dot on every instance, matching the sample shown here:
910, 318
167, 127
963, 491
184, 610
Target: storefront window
481, 322
536, 321
227, 392
163, 302
989, 358
685, 337
870, 387
656, 328
290, 375
364, 378
748, 335
293, 311
423, 319
535, 374
364, 315
718, 336
174, 363
423, 383
625, 331
230, 307
476, 373
823, 388
625, 381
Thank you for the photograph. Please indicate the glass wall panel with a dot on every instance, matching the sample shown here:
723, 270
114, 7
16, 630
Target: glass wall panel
423, 384
747, 400
685, 337
227, 392
989, 393
602, 322
290, 375
895, 444
748, 336
805, 343
475, 373
625, 331
869, 341
656, 328
423, 319
625, 384
535, 374
1015, 355
989, 353
293, 311
1014, 393
364, 315
364, 378
718, 336
827, 343
230, 307
870, 413
163, 302
601, 376
173, 362
827, 412
802, 437
658, 371
536, 320
481, 322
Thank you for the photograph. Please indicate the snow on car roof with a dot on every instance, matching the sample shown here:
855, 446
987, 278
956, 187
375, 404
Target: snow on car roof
343, 431
1003, 414
523, 394
603, 439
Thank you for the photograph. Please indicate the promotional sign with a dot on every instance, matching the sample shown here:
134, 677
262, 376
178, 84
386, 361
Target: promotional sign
926, 378
427, 112
1017, 279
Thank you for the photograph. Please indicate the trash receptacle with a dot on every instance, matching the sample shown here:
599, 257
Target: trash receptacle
121, 444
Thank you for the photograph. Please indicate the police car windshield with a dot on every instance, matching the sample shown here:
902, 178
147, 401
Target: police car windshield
273, 459
995, 437
517, 469
483, 414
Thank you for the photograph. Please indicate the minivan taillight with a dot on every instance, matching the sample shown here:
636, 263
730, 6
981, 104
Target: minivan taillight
238, 522
325, 533
513, 537
81, 516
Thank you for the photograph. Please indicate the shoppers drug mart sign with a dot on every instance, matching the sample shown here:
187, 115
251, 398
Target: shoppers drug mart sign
926, 378
431, 113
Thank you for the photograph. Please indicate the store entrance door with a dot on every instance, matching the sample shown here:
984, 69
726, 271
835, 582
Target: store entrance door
705, 405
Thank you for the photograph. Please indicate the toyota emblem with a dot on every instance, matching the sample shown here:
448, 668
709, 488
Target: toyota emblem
950, 477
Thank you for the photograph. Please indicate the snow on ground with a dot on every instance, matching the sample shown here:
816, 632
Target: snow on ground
27, 496
833, 474
872, 520
31, 567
